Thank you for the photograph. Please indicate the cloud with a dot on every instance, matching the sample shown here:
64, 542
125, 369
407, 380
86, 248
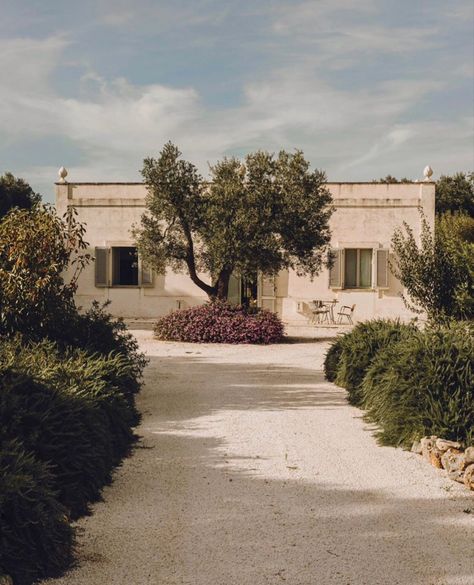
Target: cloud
354, 133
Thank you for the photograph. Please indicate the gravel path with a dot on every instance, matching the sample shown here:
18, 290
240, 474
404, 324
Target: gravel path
253, 470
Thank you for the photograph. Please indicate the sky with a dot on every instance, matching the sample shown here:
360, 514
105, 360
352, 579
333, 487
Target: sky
365, 88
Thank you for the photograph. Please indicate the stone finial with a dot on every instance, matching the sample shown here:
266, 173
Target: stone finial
427, 172
62, 174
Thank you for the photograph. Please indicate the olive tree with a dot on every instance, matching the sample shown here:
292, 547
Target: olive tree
263, 214
16, 193
437, 272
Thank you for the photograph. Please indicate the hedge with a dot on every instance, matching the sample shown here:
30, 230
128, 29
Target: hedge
423, 385
36, 539
220, 322
359, 347
411, 383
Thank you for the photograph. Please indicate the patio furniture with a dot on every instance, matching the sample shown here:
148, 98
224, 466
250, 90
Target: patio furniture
347, 312
330, 305
319, 312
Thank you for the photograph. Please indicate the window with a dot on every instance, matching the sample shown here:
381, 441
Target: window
124, 266
352, 268
357, 268
121, 266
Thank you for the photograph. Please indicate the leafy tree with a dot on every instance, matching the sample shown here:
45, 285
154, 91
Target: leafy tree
455, 193
36, 247
438, 273
391, 179
266, 213
15, 192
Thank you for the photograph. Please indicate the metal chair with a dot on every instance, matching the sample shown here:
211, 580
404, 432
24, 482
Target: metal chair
320, 312
347, 312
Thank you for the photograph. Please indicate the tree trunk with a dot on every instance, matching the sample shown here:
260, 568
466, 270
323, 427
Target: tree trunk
222, 284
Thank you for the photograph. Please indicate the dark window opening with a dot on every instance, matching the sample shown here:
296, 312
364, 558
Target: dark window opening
125, 266
358, 268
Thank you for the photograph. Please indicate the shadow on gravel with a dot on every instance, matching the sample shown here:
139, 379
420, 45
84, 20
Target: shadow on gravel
184, 512
241, 386
185, 517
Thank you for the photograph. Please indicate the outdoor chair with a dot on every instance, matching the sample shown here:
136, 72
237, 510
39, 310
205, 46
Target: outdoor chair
347, 312
319, 312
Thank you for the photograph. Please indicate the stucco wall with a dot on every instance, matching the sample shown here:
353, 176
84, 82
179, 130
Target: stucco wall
366, 215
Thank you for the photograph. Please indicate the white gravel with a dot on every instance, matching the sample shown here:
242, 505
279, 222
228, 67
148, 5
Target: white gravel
253, 470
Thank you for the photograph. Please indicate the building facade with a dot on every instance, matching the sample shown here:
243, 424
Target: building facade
365, 218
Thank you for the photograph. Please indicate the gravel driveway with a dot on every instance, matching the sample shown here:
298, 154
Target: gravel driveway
253, 470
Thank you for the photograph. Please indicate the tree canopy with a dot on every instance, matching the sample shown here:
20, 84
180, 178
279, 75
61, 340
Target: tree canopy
438, 273
15, 193
391, 179
36, 247
455, 193
263, 214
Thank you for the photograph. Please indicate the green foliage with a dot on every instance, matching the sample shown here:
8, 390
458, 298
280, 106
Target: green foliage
36, 247
15, 193
423, 385
438, 273
266, 214
35, 535
73, 410
359, 347
455, 193
332, 359
391, 179
97, 332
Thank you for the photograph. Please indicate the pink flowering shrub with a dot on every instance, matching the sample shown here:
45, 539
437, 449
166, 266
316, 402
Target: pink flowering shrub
220, 322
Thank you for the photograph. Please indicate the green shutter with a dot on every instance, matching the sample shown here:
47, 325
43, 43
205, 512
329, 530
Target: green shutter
382, 268
101, 267
335, 272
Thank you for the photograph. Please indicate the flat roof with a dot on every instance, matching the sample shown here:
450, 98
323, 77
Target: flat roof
327, 183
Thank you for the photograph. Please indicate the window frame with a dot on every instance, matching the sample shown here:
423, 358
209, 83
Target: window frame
358, 266
113, 267
145, 275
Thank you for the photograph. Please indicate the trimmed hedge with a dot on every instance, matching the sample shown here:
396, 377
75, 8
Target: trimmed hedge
36, 539
359, 347
67, 431
219, 322
411, 383
423, 385
332, 359
68, 412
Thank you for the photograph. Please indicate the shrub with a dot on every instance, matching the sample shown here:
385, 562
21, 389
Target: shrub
102, 380
35, 535
360, 346
61, 429
437, 269
332, 359
423, 385
97, 332
36, 248
219, 322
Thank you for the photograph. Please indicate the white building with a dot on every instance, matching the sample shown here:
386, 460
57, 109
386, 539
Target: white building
365, 218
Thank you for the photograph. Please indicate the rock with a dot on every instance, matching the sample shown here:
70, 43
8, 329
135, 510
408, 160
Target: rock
454, 463
444, 445
427, 444
6, 580
435, 458
416, 447
469, 476
469, 455
456, 475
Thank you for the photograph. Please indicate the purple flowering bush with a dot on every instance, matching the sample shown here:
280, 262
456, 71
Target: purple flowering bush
220, 322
